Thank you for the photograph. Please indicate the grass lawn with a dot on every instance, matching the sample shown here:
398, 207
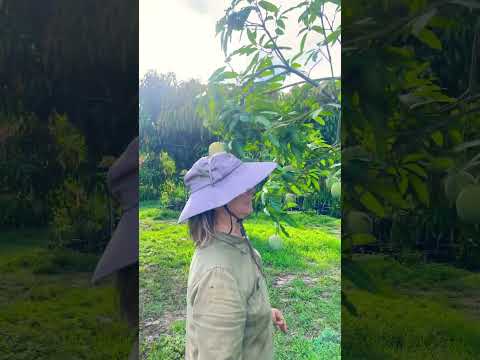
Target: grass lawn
303, 281
49, 310
418, 311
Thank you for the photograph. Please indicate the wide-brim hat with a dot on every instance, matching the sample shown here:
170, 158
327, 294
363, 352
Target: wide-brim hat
214, 181
122, 249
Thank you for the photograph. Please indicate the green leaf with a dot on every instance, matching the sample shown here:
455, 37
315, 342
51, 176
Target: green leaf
289, 220
237, 146
422, 21
302, 42
429, 38
417, 169
290, 205
281, 24
362, 239
295, 7
370, 202
263, 120
251, 64
442, 163
216, 73
390, 193
268, 6
333, 36
437, 137
413, 157
403, 182
252, 36
227, 75
283, 230
274, 140
295, 189
421, 189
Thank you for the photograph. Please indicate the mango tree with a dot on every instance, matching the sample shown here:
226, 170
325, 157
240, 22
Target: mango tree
409, 128
246, 107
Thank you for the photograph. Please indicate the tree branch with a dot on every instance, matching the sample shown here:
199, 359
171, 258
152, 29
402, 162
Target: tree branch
301, 82
256, 74
326, 44
279, 53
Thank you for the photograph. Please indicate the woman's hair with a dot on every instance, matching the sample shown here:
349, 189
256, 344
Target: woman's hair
127, 287
201, 227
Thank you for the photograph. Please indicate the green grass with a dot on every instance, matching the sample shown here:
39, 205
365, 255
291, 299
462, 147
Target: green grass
419, 311
303, 280
49, 309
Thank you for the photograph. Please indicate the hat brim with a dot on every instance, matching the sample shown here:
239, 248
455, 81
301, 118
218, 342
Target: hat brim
243, 178
122, 249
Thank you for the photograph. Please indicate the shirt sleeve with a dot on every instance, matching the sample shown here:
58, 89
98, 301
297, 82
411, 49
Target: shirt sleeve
218, 315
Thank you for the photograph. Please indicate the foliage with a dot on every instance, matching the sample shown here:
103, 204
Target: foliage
59, 107
408, 124
159, 181
257, 122
43, 70
73, 202
25, 172
168, 120
70, 142
81, 219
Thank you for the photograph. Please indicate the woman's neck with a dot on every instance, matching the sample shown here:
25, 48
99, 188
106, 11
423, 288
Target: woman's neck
223, 224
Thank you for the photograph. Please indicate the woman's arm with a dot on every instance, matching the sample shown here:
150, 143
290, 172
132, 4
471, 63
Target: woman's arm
219, 315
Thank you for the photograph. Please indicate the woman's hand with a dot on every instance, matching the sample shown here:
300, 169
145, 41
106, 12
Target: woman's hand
279, 320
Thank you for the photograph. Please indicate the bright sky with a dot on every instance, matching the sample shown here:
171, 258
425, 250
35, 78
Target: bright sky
179, 36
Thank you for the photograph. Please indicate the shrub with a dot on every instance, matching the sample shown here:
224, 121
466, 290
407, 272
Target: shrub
80, 219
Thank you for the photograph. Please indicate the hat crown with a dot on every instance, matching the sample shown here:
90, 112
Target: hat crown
123, 176
209, 170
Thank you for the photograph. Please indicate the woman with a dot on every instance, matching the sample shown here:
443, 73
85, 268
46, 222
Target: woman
121, 254
228, 311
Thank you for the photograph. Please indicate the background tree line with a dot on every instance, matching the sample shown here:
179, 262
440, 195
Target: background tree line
298, 128
58, 117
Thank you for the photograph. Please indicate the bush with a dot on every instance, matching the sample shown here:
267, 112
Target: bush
81, 220
173, 195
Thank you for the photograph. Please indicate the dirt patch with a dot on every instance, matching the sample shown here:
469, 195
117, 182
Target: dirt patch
468, 303
283, 280
308, 280
144, 226
152, 328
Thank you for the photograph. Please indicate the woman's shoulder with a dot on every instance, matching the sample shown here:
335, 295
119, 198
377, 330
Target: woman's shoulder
219, 258
219, 255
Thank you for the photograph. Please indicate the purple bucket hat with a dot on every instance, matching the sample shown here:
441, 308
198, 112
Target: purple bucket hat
215, 180
122, 249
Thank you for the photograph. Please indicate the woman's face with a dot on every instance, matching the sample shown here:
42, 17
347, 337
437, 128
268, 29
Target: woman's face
242, 204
